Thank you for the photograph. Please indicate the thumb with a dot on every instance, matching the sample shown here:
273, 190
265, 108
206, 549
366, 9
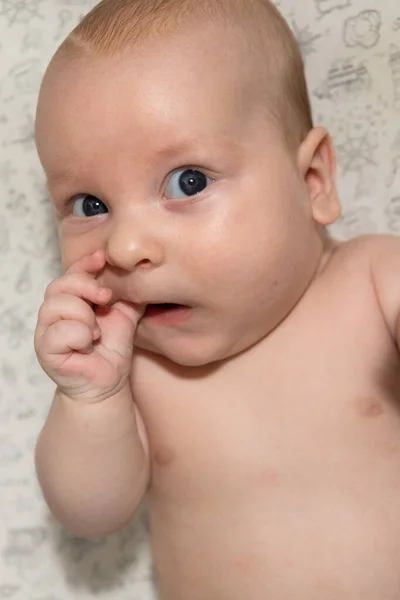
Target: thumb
133, 312
118, 324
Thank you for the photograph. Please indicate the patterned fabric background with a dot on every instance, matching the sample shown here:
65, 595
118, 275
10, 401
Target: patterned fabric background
352, 54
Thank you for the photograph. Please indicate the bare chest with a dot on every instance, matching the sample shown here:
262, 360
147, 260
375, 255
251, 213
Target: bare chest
289, 483
281, 468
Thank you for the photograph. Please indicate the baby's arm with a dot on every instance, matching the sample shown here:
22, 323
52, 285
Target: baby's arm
385, 270
91, 456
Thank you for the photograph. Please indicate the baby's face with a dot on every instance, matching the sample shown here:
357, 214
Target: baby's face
164, 159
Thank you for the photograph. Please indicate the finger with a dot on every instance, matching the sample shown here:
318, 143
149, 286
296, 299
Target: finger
65, 307
80, 286
134, 312
90, 264
66, 336
118, 324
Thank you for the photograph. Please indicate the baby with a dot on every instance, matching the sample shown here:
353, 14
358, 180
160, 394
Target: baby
212, 347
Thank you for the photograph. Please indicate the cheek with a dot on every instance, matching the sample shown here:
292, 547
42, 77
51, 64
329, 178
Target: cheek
80, 239
69, 257
230, 264
73, 250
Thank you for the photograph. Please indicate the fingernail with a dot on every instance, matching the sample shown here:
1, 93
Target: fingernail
105, 291
95, 254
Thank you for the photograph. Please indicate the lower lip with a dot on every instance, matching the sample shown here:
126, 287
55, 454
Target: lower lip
169, 316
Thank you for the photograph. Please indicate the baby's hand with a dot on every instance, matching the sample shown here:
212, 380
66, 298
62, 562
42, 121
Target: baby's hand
87, 352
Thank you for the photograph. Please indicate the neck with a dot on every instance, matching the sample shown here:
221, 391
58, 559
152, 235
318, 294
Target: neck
329, 246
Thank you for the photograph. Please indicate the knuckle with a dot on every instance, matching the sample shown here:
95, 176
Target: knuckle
52, 288
72, 284
43, 311
48, 308
86, 317
80, 312
64, 308
37, 343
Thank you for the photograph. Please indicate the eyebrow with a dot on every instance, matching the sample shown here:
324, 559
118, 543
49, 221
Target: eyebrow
180, 146
58, 181
63, 176
59, 176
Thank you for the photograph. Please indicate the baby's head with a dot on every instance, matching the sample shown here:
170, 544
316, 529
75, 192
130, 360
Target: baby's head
177, 136
269, 58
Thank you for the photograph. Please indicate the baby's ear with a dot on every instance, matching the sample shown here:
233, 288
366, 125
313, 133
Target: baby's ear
317, 165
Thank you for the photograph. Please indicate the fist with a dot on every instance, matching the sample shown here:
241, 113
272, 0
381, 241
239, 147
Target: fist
83, 341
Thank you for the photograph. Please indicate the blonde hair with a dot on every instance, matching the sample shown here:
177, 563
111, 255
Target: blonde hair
114, 25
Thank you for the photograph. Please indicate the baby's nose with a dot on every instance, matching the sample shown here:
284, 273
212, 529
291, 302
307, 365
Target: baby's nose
129, 246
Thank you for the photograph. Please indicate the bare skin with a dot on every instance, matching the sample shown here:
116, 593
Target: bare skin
261, 417
284, 483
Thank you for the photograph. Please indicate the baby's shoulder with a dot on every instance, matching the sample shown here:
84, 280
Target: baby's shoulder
367, 251
373, 262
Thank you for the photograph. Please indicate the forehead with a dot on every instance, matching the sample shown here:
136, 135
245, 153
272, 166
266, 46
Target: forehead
185, 79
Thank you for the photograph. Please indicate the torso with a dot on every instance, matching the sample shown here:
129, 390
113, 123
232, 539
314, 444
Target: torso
277, 475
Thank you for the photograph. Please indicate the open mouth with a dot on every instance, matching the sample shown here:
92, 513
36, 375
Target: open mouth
167, 311
163, 307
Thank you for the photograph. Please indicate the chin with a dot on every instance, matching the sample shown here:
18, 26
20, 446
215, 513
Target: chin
186, 355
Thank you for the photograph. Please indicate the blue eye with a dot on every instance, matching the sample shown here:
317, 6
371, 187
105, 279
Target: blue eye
186, 183
88, 206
